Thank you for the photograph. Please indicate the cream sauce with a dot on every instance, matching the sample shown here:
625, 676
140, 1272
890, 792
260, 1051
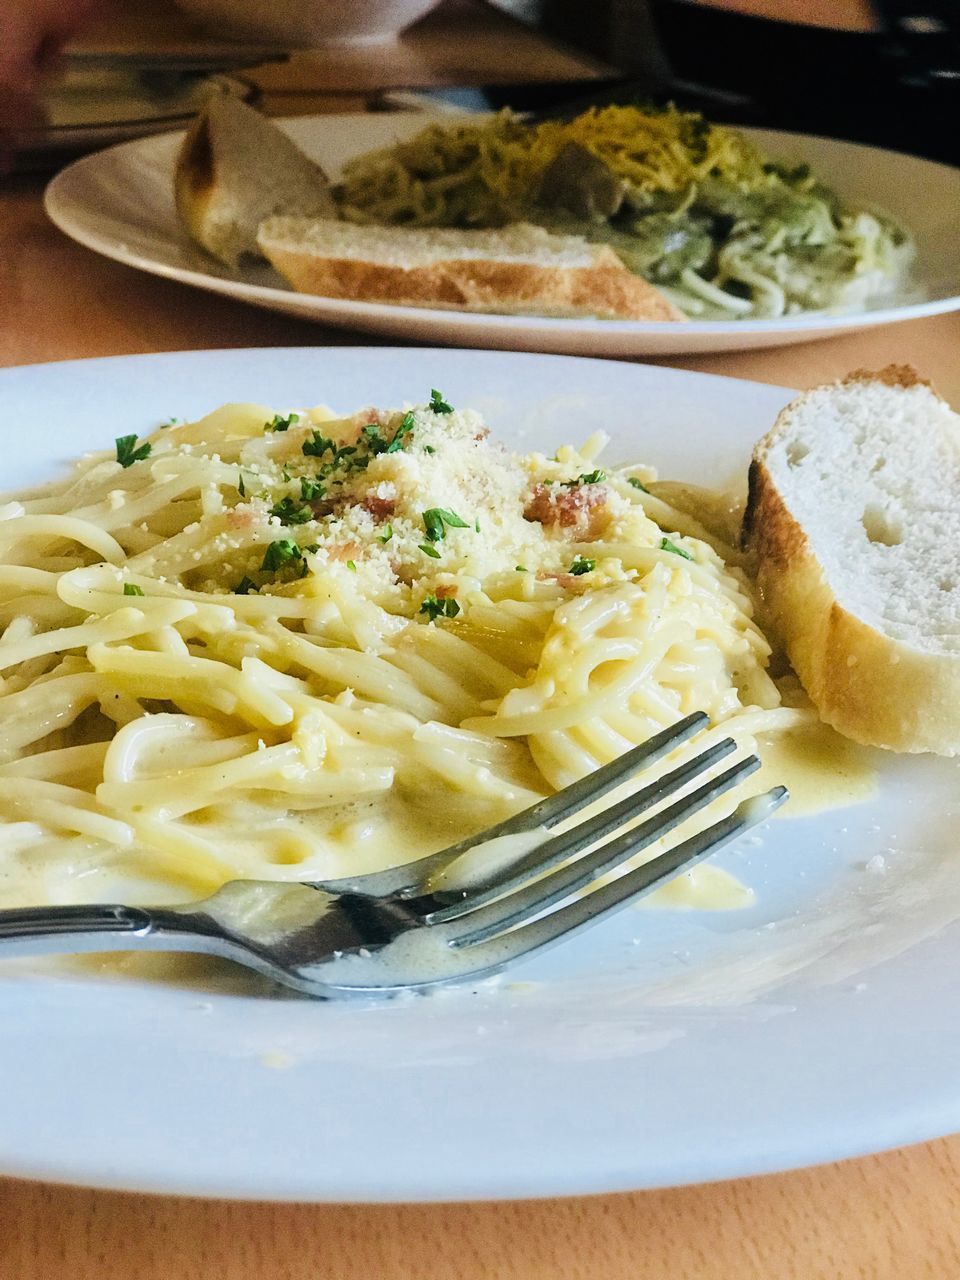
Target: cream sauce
821, 769
485, 860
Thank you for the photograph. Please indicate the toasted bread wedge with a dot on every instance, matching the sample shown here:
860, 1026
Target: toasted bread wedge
519, 269
234, 169
854, 515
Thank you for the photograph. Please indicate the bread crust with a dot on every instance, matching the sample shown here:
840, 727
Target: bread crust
194, 177
606, 288
866, 684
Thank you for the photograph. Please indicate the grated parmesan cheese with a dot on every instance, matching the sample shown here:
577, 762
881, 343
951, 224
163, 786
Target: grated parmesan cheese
395, 506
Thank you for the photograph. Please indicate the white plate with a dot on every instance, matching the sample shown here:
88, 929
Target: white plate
663, 1047
120, 203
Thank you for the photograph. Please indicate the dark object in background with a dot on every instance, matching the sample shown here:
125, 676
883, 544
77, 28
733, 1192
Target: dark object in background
897, 87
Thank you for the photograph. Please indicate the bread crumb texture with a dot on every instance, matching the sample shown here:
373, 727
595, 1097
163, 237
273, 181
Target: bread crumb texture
869, 469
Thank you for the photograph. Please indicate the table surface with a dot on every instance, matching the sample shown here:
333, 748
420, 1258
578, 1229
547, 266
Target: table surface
896, 1214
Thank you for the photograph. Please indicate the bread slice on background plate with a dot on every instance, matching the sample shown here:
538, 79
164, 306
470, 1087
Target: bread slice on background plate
854, 516
519, 269
234, 169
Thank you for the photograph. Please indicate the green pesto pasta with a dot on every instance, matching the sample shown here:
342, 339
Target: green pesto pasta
694, 207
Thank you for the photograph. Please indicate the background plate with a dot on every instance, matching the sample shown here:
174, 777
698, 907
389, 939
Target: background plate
661, 1048
120, 203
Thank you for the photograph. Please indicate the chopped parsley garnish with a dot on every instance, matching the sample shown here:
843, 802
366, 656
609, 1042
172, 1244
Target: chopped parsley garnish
404, 429
438, 404
310, 489
433, 523
582, 564
241, 488
387, 533
351, 565
436, 517
317, 446
427, 550
637, 484
291, 512
170, 422
374, 437
667, 545
245, 586
588, 477
128, 452
358, 463
520, 568
281, 553
278, 423
434, 607
428, 448
131, 589
347, 458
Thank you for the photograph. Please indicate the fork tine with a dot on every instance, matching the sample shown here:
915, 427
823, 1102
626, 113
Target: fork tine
563, 804
595, 906
564, 847
518, 907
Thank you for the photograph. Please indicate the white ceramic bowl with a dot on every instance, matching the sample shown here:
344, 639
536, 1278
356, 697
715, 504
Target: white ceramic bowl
307, 23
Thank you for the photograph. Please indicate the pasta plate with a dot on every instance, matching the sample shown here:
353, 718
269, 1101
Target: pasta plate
667, 1047
120, 203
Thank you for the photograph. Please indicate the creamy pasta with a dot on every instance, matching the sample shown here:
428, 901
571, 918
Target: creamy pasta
723, 230
294, 646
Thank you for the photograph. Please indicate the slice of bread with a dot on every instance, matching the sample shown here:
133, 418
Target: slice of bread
518, 270
234, 169
854, 515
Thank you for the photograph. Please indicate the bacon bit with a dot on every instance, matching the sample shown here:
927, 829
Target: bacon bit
443, 593
570, 506
240, 519
566, 580
379, 508
482, 433
344, 550
402, 572
366, 418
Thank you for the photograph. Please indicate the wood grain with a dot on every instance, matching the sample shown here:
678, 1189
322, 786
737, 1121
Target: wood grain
843, 15
931, 346
890, 1217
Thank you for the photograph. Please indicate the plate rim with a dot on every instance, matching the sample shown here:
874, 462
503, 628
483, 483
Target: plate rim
345, 309
922, 1118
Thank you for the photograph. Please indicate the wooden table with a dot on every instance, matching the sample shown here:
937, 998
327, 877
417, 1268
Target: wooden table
895, 1215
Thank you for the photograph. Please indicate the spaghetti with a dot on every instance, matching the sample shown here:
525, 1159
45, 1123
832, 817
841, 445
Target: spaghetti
692, 206
283, 645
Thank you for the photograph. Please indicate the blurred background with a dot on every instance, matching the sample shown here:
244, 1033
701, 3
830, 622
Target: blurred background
885, 72
878, 71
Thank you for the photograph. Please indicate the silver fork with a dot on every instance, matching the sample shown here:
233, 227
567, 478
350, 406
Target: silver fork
412, 927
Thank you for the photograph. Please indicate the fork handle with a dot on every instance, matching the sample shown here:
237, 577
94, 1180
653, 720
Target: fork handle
42, 930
